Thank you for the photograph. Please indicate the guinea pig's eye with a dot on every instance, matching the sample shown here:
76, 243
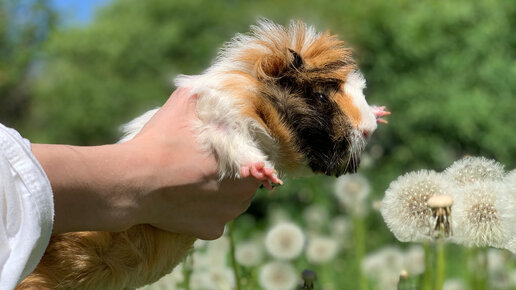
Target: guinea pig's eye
321, 96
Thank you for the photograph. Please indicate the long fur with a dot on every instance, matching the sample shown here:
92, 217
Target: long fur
286, 96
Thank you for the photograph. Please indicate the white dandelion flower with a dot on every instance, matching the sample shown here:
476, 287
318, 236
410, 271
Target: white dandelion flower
200, 244
510, 181
384, 266
352, 191
404, 206
277, 214
511, 245
167, 282
249, 254
483, 215
414, 260
321, 249
454, 284
388, 261
214, 254
497, 261
285, 241
512, 278
472, 169
219, 245
278, 276
315, 216
341, 228
215, 278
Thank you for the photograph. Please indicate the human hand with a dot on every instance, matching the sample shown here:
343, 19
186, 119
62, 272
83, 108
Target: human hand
161, 177
185, 195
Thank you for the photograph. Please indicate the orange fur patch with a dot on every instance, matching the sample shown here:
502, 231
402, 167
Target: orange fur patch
346, 105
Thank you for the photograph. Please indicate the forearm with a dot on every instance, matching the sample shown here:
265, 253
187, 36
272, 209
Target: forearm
95, 188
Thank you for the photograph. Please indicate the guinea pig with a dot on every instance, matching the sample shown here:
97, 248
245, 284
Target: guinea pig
279, 100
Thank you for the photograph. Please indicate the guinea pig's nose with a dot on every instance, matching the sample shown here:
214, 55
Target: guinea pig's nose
366, 133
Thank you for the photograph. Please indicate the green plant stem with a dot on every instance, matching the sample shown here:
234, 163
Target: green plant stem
482, 269
477, 268
470, 254
359, 245
234, 263
429, 268
440, 264
187, 270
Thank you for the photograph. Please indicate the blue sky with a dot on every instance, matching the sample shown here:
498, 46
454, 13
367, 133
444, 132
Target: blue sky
77, 11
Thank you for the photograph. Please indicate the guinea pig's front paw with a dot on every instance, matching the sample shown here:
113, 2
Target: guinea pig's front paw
380, 112
261, 173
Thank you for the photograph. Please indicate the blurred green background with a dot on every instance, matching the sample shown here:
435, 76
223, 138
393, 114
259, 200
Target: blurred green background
445, 69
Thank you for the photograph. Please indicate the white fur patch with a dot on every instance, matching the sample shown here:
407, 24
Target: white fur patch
355, 84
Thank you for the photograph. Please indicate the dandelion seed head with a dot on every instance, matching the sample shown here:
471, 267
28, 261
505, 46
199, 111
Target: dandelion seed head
483, 215
404, 206
414, 260
278, 276
454, 284
285, 241
249, 254
340, 227
213, 279
510, 181
321, 250
475, 169
315, 216
388, 261
167, 282
511, 245
351, 191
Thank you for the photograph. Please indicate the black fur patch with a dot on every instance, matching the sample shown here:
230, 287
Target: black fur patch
307, 107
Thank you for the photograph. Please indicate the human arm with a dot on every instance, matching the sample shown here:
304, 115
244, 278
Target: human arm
161, 177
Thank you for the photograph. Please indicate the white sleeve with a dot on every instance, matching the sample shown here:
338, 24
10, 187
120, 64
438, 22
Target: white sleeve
26, 209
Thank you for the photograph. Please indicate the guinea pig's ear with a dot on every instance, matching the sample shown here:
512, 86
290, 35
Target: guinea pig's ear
296, 60
270, 66
274, 65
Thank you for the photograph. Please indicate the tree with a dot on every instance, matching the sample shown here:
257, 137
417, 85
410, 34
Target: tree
24, 26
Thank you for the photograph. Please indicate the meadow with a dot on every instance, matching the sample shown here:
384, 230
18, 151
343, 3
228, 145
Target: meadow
445, 69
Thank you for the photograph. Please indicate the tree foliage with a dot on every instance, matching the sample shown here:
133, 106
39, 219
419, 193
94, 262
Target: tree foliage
444, 68
24, 26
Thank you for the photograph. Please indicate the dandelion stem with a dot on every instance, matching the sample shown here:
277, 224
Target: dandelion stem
440, 267
429, 267
359, 245
187, 270
234, 264
469, 261
482, 269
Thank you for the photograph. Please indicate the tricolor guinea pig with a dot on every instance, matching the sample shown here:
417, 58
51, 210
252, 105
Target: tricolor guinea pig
279, 100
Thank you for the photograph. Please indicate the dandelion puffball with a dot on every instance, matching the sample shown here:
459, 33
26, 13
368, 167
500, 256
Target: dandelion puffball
414, 260
285, 241
278, 276
315, 216
321, 249
351, 191
472, 169
510, 181
483, 215
404, 206
248, 254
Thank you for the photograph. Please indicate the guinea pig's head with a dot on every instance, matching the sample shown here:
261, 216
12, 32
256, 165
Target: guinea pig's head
309, 97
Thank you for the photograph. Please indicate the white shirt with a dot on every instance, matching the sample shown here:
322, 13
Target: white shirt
26, 209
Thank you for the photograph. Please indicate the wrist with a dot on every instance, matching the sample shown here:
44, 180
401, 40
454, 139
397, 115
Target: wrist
95, 188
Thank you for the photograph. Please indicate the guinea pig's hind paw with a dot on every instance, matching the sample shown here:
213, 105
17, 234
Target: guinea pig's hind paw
261, 173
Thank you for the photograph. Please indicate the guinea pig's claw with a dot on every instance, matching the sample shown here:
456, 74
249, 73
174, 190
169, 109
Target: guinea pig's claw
267, 176
380, 112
